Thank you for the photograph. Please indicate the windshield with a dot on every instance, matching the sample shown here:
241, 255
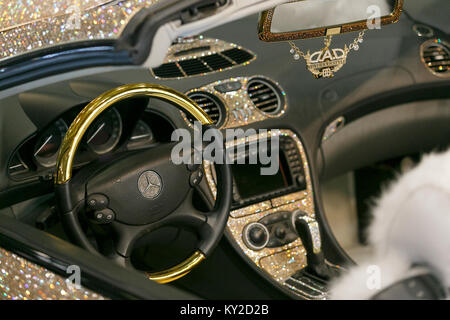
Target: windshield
29, 25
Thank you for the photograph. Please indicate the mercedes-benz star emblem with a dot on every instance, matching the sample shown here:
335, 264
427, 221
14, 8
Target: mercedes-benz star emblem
150, 184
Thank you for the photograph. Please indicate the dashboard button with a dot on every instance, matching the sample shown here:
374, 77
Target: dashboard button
228, 87
280, 232
256, 236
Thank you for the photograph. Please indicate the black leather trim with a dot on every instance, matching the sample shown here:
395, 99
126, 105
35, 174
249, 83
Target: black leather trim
392, 132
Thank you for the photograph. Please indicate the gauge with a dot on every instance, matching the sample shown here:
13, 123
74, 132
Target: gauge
104, 134
141, 132
47, 146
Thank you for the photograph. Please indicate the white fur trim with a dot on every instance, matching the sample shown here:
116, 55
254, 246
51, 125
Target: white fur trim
411, 225
365, 280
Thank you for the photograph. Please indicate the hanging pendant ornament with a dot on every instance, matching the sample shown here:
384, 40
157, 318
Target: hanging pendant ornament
324, 63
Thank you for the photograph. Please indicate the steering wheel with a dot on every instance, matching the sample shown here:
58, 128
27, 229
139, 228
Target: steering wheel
138, 192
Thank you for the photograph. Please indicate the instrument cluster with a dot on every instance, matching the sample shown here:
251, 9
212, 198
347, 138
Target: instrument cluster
115, 130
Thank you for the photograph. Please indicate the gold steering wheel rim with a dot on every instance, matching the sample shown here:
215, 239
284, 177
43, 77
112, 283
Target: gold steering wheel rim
88, 115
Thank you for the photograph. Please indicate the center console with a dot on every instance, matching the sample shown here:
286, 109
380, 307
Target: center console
261, 220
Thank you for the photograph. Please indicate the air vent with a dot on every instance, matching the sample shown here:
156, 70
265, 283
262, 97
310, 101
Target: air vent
238, 55
265, 95
210, 104
168, 70
436, 56
201, 56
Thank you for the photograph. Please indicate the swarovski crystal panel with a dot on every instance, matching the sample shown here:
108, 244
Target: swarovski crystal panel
24, 280
31, 25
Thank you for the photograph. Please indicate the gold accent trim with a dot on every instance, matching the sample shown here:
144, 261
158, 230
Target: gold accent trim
333, 31
265, 22
178, 271
84, 119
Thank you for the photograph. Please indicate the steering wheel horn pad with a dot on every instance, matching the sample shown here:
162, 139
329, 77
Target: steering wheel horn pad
120, 182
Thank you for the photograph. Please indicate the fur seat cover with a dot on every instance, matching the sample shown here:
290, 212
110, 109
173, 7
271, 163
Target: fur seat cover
411, 226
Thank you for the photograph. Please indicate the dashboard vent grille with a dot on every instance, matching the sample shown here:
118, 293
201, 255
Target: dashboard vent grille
436, 56
217, 62
193, 67
210, 104
204, 63
265, 96
237, 55
168, 70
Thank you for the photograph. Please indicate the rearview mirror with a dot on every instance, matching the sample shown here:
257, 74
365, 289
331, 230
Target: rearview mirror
317, 18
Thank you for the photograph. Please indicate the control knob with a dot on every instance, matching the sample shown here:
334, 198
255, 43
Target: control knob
256, 236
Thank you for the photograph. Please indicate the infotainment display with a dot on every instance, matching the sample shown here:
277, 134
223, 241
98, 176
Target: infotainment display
250, 183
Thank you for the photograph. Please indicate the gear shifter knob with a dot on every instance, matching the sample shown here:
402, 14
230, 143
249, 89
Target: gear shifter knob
308, 230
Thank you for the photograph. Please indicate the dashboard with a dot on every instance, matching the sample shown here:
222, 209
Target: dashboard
230, 103
260, 223
239, 86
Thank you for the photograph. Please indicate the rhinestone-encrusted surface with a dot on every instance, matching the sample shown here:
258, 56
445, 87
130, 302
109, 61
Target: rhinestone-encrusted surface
239, 101
30, 25
283, 261
24, 280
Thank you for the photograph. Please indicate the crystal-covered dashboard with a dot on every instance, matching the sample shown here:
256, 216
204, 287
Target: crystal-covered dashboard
262, 204
240, 101
282, 254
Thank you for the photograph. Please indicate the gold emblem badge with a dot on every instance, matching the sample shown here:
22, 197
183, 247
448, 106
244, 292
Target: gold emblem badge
326, 62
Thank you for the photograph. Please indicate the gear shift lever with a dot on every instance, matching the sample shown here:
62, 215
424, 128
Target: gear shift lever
308, 230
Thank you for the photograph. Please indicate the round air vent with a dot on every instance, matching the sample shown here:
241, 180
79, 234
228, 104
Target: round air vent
436, 56
210, 104
265, 95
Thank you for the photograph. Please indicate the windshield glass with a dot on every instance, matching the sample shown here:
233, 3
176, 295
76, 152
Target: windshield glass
28, 25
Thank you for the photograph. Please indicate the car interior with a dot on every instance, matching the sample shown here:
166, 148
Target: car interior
86, 134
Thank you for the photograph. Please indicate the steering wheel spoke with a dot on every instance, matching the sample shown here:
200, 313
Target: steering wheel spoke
187, 215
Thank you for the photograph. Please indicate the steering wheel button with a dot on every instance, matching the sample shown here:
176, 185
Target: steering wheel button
104, 216
97, 202
195, 178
